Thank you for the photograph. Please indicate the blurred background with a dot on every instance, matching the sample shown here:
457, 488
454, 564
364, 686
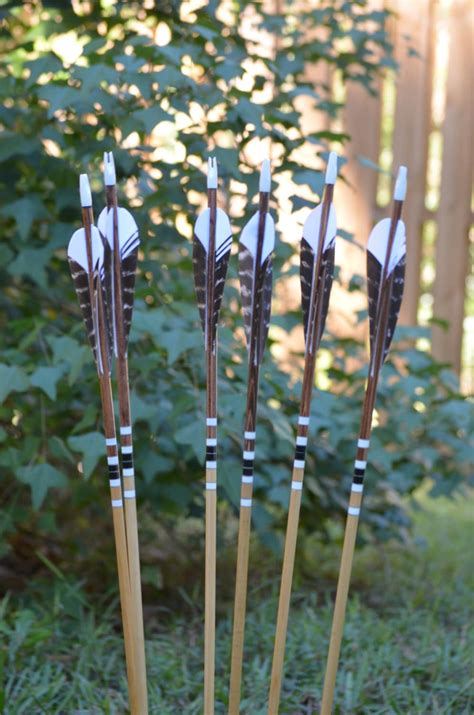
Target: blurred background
164, 85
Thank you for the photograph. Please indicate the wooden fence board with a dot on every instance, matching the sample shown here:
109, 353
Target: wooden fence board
454, 212
411, 132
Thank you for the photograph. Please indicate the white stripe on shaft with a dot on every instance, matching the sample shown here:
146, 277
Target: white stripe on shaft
130, 472
303, 420
124, 431
117, 503
353, 511
129, 493
363, 443
246, 502
297, 486
249, 435
357, 488
360, 464
302, 441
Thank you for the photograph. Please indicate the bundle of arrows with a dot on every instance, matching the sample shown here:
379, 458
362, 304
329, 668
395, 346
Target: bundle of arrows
103, 262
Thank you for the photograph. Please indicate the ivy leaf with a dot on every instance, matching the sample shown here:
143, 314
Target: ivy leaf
46, 379
12, 379
40, 478
92, 446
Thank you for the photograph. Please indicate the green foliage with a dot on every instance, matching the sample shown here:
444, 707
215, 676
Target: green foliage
80, 79
407, 646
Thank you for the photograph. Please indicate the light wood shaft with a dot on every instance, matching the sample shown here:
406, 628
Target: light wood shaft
211, 474
126, 440
339, 614
112, 452
210, 596
285, 595
240, 605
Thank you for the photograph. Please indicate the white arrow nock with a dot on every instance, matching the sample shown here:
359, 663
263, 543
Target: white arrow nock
331, 169
109, 169
212, 173
400, 190
85, 191
265, 177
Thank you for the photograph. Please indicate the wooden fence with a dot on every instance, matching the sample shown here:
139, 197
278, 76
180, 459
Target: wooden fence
431, 100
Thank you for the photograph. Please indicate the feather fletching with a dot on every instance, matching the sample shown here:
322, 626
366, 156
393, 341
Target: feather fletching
394, 278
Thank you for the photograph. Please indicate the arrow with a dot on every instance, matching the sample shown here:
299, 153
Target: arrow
211, 251
86, 261
255, 269
121, 242
316, 271
386, 252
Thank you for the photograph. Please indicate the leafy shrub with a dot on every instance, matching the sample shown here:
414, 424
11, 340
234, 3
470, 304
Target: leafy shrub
78, 80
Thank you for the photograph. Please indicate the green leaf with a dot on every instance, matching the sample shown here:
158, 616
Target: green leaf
46, 379
40, 478
92, 446
12, 379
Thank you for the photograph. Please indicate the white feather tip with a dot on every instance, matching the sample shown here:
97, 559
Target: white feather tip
400, 185
265, 177
331, 169
110, 178
212, 173
85, 190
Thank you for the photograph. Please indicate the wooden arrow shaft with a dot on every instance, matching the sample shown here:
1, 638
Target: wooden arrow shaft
348, 549
243, 544
211, 466
98, 309
355, 499
128, 470
313, 332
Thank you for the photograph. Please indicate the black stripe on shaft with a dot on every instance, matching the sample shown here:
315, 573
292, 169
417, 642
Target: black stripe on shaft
211, 453
300, 452
358, 479
359, 472
248, 463
113, 471
247, 471
127, 461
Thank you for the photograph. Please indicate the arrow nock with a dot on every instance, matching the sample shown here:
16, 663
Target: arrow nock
85, 191
331, 169
110, 178
400, 190
212, 173
265, 177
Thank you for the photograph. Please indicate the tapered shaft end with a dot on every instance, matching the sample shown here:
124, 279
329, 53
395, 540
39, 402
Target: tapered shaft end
212, 173
265, 177
85, 191
110, 178
331, 169
400, 185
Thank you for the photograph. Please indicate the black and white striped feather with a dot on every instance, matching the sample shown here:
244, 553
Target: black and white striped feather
308, 260
256, 283
326, 273
80, 271
129, 242
201, 264
395, 278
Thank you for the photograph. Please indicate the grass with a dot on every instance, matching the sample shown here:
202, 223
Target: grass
407, 648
